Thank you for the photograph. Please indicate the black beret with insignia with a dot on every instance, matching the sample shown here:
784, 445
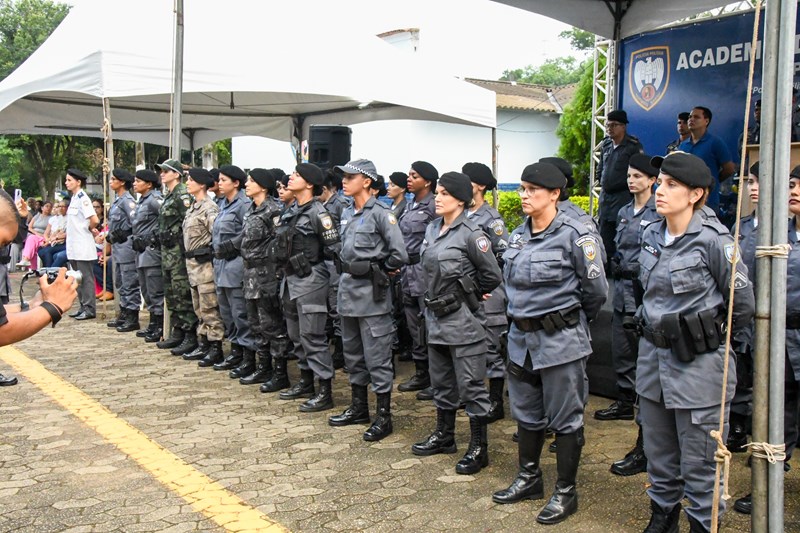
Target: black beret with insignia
233, 172
544, 175
686, 168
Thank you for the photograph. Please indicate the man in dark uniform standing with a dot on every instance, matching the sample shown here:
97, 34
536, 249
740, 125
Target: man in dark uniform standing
612, 174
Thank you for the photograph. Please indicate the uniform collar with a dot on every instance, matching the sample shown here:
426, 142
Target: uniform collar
554, 225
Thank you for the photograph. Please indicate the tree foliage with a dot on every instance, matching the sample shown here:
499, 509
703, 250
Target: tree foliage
553, 72
575, 129
579, 39
24, 25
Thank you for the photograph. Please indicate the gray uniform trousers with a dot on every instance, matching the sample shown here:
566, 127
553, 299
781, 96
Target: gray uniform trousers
465, 365
367, 342
152, 285
538, 399
680, 456
233, 309
333, 295
414, 306
126, 281
305, 322
791, 411
624, 354
86, 288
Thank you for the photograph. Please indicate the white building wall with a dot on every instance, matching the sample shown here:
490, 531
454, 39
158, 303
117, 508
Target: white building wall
522, 138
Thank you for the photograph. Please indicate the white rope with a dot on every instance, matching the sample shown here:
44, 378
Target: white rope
780, 251
771, 452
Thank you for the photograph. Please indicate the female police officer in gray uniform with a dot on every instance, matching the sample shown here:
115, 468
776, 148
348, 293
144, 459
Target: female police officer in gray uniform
555, 283
459, 269
685, 271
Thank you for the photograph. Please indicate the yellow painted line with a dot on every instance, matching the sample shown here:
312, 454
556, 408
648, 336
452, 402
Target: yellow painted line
204, 494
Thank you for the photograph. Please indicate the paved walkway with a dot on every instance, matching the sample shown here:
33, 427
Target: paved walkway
106, 433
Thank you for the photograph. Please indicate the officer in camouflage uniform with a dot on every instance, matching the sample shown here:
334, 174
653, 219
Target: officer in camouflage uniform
372, 247
261, 281
183, 339
145, 244
489, 220
119, 237
229, 269
197, 227
306, 237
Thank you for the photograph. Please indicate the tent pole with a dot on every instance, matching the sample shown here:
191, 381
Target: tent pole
140, 156
108, 167
495, 196
177, 85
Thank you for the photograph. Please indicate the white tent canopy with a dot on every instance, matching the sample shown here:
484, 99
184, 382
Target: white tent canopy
248, 70
603, 17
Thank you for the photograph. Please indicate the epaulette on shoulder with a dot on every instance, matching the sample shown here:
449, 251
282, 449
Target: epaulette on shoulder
634, 138
579, 226
716, 226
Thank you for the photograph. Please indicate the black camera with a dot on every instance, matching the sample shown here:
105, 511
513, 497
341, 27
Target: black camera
52, 273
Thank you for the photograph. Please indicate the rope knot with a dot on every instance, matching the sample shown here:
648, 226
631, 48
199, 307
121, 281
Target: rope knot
722, 456
771, 452
781, 251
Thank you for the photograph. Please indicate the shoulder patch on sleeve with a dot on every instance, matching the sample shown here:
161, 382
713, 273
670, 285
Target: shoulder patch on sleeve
729, 249
589, 246
593, 271
740, 281
392, 218
498, 227
186, 202
483, 243
327, 221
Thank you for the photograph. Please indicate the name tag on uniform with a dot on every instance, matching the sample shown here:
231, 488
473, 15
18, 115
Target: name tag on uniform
650, 248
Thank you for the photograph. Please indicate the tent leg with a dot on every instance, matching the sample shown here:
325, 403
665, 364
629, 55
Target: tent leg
108, 167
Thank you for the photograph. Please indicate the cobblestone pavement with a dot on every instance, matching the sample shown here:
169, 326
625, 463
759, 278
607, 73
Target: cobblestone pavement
59, 472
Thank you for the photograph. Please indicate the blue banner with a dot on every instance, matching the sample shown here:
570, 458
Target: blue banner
665, 72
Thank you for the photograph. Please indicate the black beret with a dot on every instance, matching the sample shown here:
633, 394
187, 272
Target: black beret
233, 172
284, 180
147, 175
77, 174
334, 177
562, 165
686, 168
215, 173
265, 178
795, 173
642, 162
311, 173
379, 185
426, 170
201, 176
480, 174
122, 175
618, 116
458, 185
544, 175
754, 169
400, 179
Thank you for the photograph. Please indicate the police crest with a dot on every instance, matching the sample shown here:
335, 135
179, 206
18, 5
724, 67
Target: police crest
588, 246
483, 243
498, 227
729, 248
392, 219
648, 75
327, 221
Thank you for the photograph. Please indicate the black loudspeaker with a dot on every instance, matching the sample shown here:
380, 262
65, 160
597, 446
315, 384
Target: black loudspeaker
329, 145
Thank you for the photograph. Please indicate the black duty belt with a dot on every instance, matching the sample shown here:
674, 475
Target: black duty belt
413, 259
255, 263
206, 251
628, 274
551, 322
655, 337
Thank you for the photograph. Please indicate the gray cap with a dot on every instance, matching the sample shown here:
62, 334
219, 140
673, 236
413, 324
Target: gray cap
360, 166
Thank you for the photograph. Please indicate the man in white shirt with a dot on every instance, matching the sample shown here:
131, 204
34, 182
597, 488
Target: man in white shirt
81, 251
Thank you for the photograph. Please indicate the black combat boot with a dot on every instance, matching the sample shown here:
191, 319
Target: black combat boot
634, 462
744, 504
497, 407
357, 413
279, 379
119, 319
664, 522
233, 360
564, 501
130, 322
157, 321
302, 389
619, 410
199, 352
477, 456
425, 395
442, 440
263, 371
737, 435
382, 425
338, 353
695, 526
142, 333
174, 340
528, 484
213, 355
322, 401
187, 345
420, 380
246, 367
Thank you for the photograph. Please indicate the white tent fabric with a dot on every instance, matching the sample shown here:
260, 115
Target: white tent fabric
248, 70
600, 16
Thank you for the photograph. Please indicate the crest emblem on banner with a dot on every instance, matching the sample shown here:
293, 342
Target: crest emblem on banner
649, 75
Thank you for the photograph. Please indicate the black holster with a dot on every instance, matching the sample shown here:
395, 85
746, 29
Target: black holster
680, 342
444, 304
521, 374
471, 296
300, 266
380, 282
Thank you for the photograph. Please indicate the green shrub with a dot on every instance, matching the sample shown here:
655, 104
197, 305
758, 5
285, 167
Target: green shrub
510, 207
583, 203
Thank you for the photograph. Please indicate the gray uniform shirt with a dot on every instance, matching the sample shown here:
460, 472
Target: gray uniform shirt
145, 223
228, 227
691, 274
793, 299
399, 209
336, 205
120, 215
369, 235
463, 250
489, 220
630, 226
550, 271
413, 223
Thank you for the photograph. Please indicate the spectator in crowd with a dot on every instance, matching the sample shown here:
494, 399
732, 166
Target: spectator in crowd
103, 291
36, 228
612, 174
81, 250
711, 149
683, 132
55, 235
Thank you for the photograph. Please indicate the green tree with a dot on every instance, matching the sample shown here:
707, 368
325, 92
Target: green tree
553, 72
575, 128
579, 39
24, 25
